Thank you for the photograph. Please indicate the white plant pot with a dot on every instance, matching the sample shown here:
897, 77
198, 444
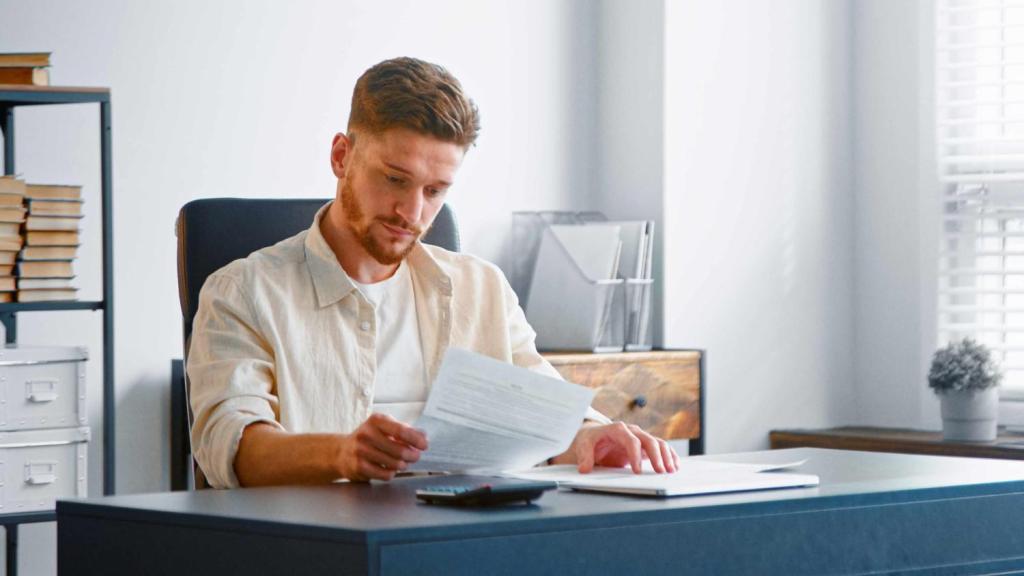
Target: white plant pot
970, 416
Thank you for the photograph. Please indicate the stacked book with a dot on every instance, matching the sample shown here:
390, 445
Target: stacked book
51, 239
12, 215
27, 68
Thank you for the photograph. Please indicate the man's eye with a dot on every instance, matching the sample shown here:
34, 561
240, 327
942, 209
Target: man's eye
394, 179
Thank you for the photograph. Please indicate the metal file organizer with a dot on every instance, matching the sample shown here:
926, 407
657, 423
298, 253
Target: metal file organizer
527, 230
567, 307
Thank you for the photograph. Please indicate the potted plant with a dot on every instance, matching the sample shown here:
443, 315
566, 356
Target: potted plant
966, 378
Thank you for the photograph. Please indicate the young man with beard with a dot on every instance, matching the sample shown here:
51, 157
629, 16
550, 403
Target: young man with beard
310, 359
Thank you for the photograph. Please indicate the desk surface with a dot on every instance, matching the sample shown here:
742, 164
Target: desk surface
903, 496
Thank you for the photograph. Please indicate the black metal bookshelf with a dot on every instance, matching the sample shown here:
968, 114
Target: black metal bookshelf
12, 97
15, 307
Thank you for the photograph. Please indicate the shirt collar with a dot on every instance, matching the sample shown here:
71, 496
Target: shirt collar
423, 264
329, 279
332, 283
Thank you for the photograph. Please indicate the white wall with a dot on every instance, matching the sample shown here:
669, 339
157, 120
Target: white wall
896, 233
239, 98
758, 210
630, 124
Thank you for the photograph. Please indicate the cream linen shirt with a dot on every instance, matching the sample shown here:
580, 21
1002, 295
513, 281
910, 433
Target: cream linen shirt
284, 337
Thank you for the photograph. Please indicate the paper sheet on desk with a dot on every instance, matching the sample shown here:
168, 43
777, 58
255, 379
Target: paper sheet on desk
486, 415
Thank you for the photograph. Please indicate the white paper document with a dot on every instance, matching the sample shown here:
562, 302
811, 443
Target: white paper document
486, 415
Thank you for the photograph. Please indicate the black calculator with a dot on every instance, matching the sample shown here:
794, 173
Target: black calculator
500, 491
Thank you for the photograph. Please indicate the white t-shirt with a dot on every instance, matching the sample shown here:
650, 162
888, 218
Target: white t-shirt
400, 389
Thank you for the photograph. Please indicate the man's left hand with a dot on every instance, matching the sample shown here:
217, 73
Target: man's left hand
617, 445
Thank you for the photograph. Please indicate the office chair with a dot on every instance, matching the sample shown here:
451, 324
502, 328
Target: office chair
212, 233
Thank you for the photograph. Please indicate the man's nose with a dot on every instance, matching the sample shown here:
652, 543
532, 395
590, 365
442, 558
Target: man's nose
410, 207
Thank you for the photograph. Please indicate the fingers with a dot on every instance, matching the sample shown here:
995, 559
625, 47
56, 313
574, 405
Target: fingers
630, 443
651, 447
668, 456
373, 437
386, 435
585, 448
619, 444
379, 458
367, 470
399, 431
381, 447
585, 457
662, 456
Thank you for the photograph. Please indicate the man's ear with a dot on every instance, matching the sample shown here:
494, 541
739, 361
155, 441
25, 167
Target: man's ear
341, 154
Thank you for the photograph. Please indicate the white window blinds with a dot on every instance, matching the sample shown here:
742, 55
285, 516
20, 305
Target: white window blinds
980, 131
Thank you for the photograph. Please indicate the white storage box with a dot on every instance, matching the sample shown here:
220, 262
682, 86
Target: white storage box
42, 387
39, 466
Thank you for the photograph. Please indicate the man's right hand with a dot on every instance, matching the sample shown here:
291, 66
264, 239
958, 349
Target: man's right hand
379, 448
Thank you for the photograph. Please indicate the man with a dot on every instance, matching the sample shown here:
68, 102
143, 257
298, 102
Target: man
311, 358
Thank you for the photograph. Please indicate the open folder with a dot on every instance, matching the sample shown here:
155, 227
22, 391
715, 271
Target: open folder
695, 476
665, 485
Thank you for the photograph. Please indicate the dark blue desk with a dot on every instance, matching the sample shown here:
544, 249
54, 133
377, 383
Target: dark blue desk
873, 513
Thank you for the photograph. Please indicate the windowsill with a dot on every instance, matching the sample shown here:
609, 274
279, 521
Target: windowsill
1011, 409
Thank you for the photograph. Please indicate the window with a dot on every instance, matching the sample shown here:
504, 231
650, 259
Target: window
980, 135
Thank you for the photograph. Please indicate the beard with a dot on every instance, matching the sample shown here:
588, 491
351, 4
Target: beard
386, 253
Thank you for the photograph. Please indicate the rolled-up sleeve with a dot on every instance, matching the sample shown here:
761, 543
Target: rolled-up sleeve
231, 377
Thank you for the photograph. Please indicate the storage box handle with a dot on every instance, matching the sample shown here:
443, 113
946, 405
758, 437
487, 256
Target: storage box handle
40, 473
41, 391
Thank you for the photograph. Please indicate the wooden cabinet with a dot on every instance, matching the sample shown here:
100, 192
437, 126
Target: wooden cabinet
661, 391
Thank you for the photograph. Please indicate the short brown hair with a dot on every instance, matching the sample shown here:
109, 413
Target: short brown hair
413, 94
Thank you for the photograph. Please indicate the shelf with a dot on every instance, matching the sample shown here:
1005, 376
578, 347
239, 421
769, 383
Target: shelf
11, 98
8, 307
19, 95
28, 517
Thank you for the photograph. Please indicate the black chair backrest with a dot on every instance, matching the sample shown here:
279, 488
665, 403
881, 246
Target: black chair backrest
214, 232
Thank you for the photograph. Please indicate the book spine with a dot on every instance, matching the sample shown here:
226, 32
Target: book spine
25, 75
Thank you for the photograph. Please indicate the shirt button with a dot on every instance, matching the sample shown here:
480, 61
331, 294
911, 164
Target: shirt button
366, 392
364, 326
